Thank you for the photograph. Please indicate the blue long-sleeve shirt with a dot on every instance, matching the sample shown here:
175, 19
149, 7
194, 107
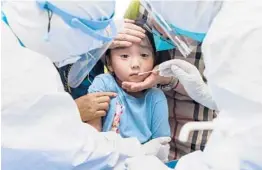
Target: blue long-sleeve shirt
145, 117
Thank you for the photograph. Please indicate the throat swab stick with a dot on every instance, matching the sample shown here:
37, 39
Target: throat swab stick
142, 73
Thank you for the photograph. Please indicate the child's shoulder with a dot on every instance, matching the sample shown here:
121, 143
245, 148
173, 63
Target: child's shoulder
105, 77
106, 82
155, 90
156, 93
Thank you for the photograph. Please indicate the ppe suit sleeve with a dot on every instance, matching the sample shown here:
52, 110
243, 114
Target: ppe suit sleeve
41, 125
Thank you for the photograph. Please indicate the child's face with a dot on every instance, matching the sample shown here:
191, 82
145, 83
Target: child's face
126, 63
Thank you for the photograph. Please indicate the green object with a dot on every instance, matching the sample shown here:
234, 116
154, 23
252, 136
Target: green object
132, 11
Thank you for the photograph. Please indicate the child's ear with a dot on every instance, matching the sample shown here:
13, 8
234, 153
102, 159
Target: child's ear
110, 68
108, 64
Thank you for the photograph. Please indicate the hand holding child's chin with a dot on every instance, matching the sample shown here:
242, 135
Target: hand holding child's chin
150, 80
136, 78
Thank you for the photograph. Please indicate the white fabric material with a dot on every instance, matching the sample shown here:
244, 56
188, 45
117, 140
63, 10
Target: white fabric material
92, 9
41, 125
145, 162
194, 16
14, 83
191, 80
232, 54
158, 147
191, 161
64, 42
11, 42
163, 153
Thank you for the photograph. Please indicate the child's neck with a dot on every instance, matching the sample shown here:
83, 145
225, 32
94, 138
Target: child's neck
135, 94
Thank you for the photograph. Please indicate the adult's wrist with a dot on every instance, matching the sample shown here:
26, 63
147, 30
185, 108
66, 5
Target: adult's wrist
165, 80
173, 82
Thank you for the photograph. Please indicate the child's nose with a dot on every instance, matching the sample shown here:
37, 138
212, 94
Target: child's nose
135, 64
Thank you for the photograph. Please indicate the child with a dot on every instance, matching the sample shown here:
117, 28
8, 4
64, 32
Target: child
142, 114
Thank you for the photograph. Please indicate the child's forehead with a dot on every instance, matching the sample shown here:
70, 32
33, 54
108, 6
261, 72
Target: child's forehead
145, 42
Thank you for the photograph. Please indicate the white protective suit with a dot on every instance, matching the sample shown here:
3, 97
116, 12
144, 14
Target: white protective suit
41, 125
232, 56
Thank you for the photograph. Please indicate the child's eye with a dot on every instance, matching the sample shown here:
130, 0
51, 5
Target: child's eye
144, 55
124, 56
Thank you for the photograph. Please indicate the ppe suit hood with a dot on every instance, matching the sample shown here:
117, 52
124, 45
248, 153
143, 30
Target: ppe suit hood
232, 55
233, 60
30, 23
194, 16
